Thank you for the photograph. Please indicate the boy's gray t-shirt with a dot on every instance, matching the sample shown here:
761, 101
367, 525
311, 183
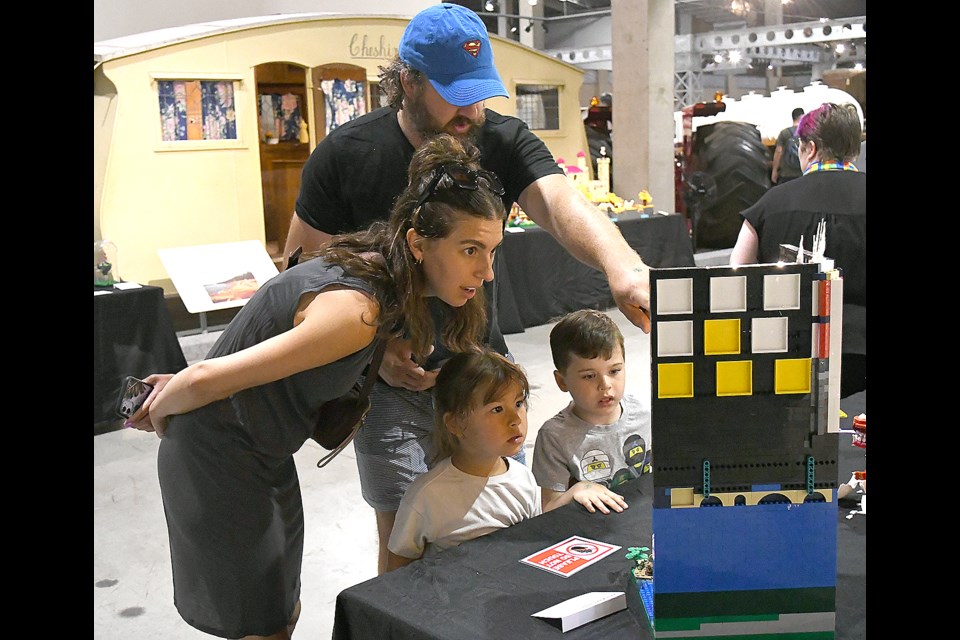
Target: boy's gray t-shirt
569, 450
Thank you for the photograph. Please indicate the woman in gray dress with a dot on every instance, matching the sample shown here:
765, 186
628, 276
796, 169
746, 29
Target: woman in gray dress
231, 423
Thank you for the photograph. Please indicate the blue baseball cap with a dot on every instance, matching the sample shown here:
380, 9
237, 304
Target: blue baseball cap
449, 44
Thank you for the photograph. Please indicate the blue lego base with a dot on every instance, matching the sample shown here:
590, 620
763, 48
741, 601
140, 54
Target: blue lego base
645, 589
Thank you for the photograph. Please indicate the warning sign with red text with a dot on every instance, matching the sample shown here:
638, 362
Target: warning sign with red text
567, 557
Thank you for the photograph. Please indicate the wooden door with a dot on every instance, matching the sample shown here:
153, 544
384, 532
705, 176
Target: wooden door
283, 150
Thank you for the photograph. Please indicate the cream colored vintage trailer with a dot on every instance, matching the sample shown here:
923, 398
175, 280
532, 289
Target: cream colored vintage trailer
153, 190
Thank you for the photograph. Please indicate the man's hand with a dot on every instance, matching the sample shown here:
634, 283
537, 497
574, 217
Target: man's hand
631, 292
399, 369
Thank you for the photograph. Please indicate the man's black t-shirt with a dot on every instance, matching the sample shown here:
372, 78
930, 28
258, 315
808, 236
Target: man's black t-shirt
355, 174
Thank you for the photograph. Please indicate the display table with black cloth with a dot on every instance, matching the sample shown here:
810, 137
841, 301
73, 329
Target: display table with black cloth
540, 280
481, 591
132, 336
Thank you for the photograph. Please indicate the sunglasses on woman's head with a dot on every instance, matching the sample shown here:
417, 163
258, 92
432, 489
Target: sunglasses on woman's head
462, 177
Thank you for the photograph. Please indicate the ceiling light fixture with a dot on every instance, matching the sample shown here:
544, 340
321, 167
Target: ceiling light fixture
528, 27
489, 6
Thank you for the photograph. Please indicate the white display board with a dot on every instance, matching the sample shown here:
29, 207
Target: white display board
218, 276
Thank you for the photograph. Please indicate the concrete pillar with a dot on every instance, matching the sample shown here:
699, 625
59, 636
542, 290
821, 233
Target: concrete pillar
773, 15
772, 12
643, 126
534, 37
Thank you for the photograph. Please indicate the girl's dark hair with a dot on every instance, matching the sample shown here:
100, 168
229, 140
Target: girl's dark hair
466, 382
381, 255
836, 130
586, 334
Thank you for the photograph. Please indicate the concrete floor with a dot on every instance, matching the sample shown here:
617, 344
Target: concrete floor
133, 592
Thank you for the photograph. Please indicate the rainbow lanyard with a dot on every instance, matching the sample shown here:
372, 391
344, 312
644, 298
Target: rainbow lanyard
830, 166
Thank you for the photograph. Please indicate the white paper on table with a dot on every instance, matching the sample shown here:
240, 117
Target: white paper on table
127, 285
587, 607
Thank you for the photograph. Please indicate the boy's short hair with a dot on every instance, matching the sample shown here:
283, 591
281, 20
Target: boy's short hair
586, 333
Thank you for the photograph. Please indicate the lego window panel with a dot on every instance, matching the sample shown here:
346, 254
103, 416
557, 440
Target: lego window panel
781, 291
675, 380
792, 375
728, 294
675, 296
721, 337
735, 378
675, 338
768, 335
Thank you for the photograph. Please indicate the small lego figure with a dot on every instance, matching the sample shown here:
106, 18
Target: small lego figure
644, 562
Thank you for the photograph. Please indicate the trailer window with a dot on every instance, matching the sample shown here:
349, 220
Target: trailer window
539, 105
197, 110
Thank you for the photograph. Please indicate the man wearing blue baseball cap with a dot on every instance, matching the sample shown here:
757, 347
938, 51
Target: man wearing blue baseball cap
437, 83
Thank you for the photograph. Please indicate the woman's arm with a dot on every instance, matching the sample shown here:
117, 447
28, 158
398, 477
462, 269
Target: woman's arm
745, 249
328, 326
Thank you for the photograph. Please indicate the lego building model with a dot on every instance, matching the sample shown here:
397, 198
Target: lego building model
745, 414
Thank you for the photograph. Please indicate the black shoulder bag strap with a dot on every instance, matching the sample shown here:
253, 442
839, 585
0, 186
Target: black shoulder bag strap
361, 401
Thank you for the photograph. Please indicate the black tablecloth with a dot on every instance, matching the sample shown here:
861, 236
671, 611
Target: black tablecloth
481, 591
132, 336
540, 280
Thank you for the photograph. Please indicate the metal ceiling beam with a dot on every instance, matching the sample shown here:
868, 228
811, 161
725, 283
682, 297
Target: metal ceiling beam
794, 34
782, 42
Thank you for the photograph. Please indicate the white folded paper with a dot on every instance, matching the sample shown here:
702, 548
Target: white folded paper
580, 610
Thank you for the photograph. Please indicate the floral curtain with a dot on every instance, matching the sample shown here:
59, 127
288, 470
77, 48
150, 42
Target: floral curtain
343, 101
280, 116
197, 110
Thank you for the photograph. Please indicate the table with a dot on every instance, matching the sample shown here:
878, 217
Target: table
480, 590
132, 336
540, 281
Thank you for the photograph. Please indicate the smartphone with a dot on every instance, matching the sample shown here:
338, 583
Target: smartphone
133, 393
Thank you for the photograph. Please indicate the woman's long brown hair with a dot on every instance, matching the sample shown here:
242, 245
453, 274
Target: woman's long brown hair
380, 254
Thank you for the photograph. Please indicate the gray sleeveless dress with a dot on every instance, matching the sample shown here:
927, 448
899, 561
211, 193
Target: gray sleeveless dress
228, 478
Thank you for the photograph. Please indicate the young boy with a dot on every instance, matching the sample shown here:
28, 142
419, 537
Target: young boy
602, 436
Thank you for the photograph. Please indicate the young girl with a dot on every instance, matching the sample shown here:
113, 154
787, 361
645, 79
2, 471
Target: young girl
474, 486
231, 423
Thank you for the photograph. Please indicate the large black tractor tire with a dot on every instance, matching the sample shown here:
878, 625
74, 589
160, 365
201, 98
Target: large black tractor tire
734, 155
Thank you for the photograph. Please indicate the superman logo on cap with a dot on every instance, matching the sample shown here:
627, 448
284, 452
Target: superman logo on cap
472, 47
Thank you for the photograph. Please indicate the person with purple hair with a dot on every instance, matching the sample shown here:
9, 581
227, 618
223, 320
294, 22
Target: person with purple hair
831, 190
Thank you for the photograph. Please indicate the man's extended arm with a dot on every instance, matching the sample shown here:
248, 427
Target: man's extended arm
592, 238
303, 235
775, 171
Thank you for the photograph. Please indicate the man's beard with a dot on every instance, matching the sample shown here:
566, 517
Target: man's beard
416, 110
